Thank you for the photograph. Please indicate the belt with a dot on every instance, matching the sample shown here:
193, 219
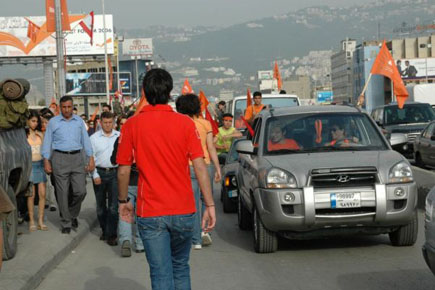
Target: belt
68, 152
106, 168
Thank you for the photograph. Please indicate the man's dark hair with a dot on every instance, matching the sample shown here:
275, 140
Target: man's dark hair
157, 85
222, 103
107, 115
282, 92
227, 115
188, 104
75, 109
108, 106
84, 115
65, 99
257, 93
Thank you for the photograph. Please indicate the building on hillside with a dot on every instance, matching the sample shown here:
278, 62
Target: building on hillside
298, 85
378, 91
341, 71
415, 58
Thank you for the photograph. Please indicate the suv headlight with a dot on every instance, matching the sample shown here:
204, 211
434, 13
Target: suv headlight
400, 173
278, 178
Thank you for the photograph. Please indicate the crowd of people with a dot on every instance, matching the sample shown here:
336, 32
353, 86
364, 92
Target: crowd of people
134, 193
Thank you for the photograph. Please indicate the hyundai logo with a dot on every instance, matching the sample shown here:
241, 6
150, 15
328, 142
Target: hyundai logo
343, 178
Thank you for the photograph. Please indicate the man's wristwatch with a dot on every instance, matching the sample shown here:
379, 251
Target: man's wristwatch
124, 200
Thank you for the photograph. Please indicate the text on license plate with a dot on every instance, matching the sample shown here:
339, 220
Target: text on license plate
345, 200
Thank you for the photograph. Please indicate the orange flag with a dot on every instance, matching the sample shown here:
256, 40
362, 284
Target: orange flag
32, 30
277, 75
384, 65
187, 89
142, 103
214, 124
51, 18
94, 115
248, 98
110, 73
203, 100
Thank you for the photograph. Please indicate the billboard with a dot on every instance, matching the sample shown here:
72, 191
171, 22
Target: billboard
94, 84
265, 75
15, 43
416, 68
324, 96
139, 46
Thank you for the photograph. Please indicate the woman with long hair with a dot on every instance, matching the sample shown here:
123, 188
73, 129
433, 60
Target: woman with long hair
191, 106
38, 177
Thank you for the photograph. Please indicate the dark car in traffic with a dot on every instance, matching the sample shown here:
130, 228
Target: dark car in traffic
424, 147
410, 120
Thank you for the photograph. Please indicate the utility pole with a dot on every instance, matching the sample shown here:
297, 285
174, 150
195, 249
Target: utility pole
105, 55
59, 51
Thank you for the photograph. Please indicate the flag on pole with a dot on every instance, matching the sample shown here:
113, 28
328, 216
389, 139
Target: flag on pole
94, 115
88, 25
214, 124
203, 100
277, 76
32, 30
187, 89
384, 65
51, 15
110, 73
142, 103
251, 131
248, 98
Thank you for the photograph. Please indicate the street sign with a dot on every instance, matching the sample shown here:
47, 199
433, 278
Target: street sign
324, 96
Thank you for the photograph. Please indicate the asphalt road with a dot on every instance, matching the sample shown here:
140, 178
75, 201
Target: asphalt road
357, 263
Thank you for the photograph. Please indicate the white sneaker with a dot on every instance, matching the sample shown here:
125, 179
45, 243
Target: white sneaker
206, 239
197, 247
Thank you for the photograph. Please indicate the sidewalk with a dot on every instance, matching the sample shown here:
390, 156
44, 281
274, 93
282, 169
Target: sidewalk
40, 252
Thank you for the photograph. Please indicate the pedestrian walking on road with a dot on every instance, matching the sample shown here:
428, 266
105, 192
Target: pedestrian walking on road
162, 142
191, 106
128, 229
64, 140
38, 177
105, 179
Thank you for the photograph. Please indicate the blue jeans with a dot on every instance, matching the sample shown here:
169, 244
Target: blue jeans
106, 195
200, 207
167, 241
125, 229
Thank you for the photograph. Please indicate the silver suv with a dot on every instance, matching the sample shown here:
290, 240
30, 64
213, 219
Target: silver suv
317, 171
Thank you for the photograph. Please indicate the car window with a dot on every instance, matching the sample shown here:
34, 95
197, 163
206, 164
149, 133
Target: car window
411, 113
233, 155
257, 131
322, 132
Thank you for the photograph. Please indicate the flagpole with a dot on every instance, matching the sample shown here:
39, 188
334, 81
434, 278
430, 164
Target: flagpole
106, 64
59, 51
364, 90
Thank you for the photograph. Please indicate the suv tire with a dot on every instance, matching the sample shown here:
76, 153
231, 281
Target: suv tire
406, 235
244, 217
265, 241
229, 205
10, 229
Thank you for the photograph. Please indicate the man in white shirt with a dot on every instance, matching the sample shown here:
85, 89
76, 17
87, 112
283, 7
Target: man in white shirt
105, 179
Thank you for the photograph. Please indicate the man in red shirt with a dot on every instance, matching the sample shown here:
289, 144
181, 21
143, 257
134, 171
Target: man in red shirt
162, 142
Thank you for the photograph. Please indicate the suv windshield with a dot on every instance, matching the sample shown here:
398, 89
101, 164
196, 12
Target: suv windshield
240, 107
411, 113
321, 132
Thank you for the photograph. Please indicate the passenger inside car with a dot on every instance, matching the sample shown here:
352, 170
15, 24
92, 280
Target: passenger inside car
278, 141
338, 135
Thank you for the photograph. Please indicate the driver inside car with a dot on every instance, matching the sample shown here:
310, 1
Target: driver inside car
338, 136
277, 140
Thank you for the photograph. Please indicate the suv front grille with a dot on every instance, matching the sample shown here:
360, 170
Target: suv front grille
343, 177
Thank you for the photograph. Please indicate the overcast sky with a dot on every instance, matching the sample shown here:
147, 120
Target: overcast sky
140, 13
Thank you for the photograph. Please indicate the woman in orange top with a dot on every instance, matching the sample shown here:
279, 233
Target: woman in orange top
277, 140
191, 106
338, 136
38, 178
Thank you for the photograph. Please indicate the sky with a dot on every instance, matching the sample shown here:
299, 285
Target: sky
141, 13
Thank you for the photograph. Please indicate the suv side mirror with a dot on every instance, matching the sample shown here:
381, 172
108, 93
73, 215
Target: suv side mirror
245, 147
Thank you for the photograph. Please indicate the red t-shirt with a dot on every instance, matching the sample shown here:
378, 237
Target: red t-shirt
288, 144
162, 142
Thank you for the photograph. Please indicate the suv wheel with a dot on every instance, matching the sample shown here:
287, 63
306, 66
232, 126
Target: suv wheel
265, 241
10, 226
405, 235
243, 215
229, 204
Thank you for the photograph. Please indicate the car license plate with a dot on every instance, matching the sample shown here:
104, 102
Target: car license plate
345, 200
232, 193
